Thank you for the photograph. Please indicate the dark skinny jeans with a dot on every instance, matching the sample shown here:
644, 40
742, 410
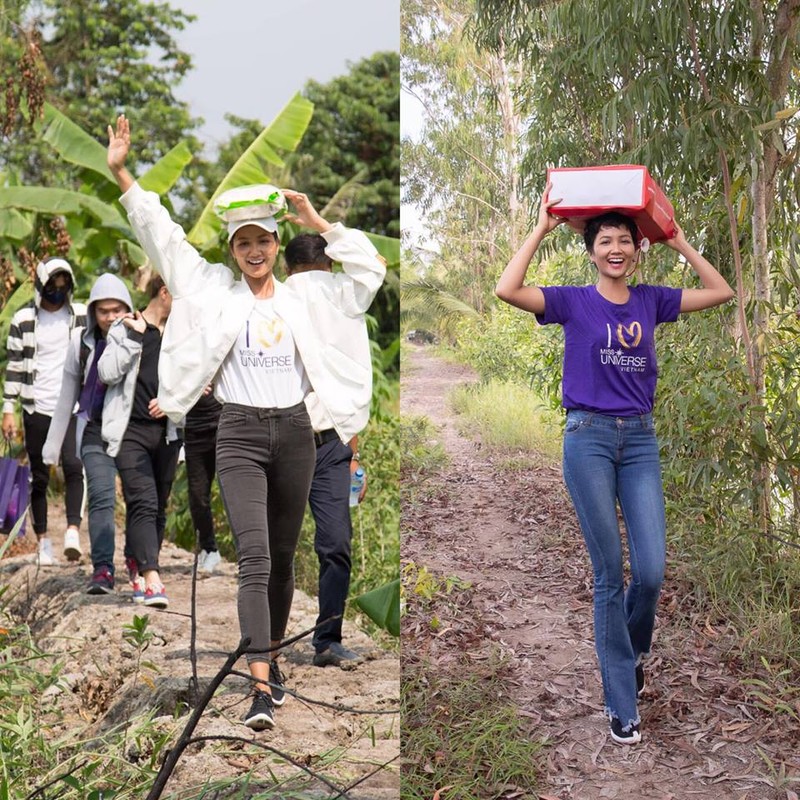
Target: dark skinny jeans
265, 462
146, 464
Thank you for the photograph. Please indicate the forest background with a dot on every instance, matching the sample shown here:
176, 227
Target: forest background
706, 96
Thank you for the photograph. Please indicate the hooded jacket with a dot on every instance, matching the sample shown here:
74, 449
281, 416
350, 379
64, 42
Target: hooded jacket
209, 307
118, 399
21, 345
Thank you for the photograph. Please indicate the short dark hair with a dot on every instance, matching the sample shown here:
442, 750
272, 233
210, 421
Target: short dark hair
611, 219
154, 286
305, 250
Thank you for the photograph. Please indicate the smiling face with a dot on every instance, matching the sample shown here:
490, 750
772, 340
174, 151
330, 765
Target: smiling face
614, 252
255, 251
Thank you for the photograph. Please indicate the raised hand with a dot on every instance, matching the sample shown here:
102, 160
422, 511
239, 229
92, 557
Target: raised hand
547, 221
119, 143
305, 213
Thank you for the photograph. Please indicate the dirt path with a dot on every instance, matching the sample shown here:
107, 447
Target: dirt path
513, 534
101, 689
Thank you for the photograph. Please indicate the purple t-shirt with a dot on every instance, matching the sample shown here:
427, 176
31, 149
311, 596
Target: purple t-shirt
609, 350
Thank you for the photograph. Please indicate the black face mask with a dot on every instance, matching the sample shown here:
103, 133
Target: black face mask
55, 296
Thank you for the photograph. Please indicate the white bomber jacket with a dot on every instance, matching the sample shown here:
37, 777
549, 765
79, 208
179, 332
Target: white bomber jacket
209, 307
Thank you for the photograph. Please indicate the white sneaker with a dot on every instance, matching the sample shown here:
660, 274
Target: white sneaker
45, 557
72, 545
208, 561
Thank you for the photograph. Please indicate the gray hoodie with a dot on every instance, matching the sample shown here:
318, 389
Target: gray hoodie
118, 399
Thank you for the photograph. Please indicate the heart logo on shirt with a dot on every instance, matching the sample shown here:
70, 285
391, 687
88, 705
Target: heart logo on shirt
632, 331
269, 332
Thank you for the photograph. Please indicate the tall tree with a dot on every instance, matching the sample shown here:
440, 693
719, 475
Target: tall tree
355, 136
464, 173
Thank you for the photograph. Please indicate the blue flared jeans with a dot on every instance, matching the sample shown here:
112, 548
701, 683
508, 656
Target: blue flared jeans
609, 460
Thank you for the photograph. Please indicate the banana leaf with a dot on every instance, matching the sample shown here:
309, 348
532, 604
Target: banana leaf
72, 143
14, 225
18, 298
48, 200
284, 132
161, 177
382, 606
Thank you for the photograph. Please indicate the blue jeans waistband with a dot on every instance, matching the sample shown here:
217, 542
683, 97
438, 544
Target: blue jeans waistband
606, 421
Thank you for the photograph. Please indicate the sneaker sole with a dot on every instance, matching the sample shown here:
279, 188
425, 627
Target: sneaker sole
138, 599
71, 554
277, 702
156, 603
336, 661
635, 739
99, 590
260, 722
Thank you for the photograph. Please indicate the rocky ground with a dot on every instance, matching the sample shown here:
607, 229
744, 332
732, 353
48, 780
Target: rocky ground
102, 688
511, 533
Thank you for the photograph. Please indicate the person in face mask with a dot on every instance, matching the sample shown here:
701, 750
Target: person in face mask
37, 346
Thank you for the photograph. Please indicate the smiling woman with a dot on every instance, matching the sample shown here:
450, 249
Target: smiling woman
610, 446
265, 341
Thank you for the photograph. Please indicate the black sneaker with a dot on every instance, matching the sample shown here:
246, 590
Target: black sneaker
631, 736
639, 680
102, 581
276, 681
337, 655
260, 715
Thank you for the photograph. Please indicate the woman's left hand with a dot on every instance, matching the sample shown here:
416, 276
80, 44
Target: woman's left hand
305, 213
678, 240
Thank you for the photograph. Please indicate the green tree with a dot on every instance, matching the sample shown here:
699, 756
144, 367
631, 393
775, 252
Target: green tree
464, 173
355, 135
100, 58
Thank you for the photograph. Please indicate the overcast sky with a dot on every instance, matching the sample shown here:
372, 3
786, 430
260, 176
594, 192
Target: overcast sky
251, 56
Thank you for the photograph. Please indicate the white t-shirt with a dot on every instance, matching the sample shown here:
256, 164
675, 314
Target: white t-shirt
52, 341
263, 368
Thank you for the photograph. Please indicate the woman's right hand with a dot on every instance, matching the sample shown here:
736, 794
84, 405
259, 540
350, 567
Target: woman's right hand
547, 221
119, 143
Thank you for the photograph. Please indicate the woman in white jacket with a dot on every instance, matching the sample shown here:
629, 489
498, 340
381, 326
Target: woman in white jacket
256, 340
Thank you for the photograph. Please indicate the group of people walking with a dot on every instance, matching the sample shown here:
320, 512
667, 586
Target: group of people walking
267, 383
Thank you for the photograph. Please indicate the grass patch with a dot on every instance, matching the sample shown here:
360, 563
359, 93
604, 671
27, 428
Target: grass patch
456, 742
421, 454
509, 415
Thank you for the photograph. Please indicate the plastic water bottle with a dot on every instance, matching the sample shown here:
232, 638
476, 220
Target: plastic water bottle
356, 483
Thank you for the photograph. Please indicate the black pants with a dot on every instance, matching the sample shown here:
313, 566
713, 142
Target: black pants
146, 463
265, 461
36, 428
201, 464
330, 505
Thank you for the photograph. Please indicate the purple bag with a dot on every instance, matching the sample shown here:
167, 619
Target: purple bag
14, 493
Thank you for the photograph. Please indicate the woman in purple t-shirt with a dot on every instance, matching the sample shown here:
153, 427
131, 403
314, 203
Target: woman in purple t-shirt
610, 446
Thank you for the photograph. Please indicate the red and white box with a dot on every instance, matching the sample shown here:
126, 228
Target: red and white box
589, 191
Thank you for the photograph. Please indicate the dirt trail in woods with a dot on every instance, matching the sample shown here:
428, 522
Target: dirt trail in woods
514, 536
99, 688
